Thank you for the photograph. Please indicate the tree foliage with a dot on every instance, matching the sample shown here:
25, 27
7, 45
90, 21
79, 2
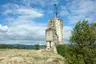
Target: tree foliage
37, 46
6, 46
83, 39
82, 48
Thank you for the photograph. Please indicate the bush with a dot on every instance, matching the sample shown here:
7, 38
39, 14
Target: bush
37, 46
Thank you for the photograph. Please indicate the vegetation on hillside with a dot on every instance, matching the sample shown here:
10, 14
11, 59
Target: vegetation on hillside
6, 46
82, 48
37, 46
21, 46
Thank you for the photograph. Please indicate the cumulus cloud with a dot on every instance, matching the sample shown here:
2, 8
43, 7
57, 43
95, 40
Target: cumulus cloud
22, 33
21, 26
67, 33
74, 10
3, 28
22, 29
77, 10
21, 11
28, 33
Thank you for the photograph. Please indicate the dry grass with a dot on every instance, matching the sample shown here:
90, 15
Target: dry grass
21, 56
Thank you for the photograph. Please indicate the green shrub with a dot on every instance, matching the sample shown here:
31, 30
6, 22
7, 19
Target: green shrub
37, 46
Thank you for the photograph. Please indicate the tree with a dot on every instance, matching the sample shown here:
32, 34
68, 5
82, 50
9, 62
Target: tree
67, 52
62, 49
37, 46
83, 40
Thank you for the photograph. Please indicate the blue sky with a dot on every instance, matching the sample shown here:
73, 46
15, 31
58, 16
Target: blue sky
25, 21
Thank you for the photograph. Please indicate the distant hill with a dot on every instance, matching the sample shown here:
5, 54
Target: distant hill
19, 46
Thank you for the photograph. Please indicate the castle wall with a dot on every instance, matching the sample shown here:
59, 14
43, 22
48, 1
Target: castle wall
59, 30
49, 35
54, 33
51, 46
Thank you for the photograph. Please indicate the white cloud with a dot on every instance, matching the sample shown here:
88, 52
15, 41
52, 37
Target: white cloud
30, 12
3, 28
44, 4
27, 30
10, 6
29, 33
77, 10
22, 30
22, 12
67, 33
20, 33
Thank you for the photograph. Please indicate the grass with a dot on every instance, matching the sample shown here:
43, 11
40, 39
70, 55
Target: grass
23, 56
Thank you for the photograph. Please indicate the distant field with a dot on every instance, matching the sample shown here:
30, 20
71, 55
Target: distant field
23, 56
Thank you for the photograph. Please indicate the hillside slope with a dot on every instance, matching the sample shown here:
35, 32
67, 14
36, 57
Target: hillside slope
22, 56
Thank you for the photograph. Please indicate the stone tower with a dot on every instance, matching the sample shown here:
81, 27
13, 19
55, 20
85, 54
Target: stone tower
54, 33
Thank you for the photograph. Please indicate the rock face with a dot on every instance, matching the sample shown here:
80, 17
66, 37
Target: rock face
14, 56
54, 33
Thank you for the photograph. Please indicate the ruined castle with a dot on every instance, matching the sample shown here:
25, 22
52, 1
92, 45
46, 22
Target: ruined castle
54, 33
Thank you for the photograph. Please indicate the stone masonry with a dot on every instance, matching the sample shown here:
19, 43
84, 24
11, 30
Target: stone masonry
54, 33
